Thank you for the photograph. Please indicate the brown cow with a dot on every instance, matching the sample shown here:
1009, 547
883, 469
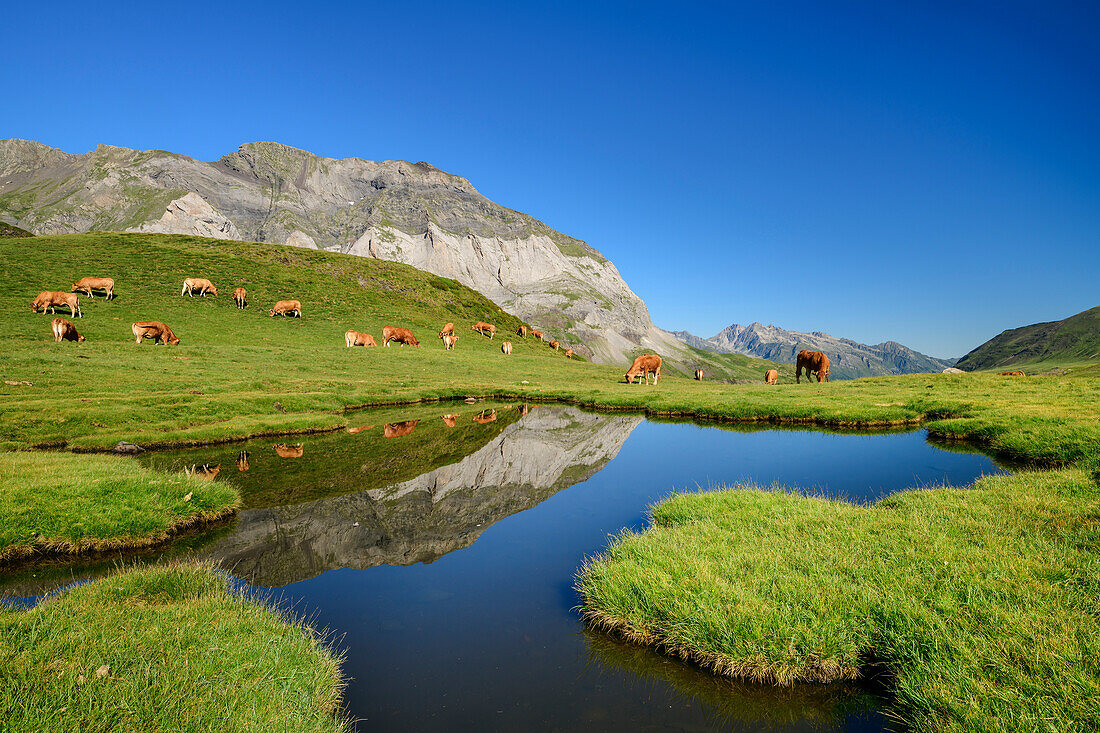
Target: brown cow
1012, 374
358, 338
64, 331
645, 365
569, 353
399, 429
698, 375
400, 335
538, 334
482, 327
522, 331
448, 329
289, 451
813, 362
506, 347
524, 409
205, 471
771, 376
287, 306
449, 420
239, 297
87, 284
201, 284
153, 330
53, 299
449, 341
554, 345
242, 461
485, 416
355, 431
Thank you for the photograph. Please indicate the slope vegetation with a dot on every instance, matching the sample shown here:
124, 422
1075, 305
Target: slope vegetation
1072, 340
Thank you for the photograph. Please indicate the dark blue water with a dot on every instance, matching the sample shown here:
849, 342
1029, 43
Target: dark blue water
485, 634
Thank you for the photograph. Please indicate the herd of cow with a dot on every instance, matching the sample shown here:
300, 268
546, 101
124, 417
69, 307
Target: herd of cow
814, 362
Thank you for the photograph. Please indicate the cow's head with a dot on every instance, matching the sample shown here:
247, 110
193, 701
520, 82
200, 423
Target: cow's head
823, 375
271, 313
212, 290
174, 341
74, 288
80, 337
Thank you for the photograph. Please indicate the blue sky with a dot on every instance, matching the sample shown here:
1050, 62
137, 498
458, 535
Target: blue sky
924, 172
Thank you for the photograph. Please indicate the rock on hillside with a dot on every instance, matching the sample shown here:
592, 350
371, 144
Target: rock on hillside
1070, 340
408, 212
848, 359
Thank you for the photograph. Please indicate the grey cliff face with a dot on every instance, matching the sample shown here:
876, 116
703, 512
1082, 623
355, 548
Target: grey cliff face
407, 212
848, 359
424, 518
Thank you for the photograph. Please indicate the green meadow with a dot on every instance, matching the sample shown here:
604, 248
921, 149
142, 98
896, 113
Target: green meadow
977, 603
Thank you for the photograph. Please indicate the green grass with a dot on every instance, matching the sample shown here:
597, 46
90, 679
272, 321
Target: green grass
62, 503
981, 604
167, 648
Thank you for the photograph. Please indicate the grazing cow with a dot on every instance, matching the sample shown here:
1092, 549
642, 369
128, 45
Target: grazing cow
483, 328
87, 284
400, 429
358, 338
506, 347
53, 299
448, 329
813, 362
698, 375
153, 330
449, 341
1012, 374
283, 307
554, 345
485, 416
771, 376
64, 331
522, 331
242, 461
205, 471
289, 451
204, 286
538, 334
449, 420
400, 335
239, 297
643, 366
569, 353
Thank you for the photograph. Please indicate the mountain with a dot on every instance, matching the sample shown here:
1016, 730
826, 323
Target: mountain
1070, 340
848, 359
394, 210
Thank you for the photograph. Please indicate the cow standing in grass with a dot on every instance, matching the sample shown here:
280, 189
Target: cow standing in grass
204, 286
771, 376
358, 338
239, 296
484, 328
506, 348
554, 345
87, 284
813, 362
64, 331
643, 366
287, 307
569, 353
400, 335
53, 299
449, 342
153, 330
522, 331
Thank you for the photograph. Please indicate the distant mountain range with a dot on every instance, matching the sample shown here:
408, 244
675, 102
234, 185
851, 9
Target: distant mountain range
848, 359
1070, 340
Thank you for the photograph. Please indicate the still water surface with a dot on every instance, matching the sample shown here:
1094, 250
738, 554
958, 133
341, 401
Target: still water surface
443, 557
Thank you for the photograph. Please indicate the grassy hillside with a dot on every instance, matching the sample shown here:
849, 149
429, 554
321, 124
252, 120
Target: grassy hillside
1071, 341
240, 373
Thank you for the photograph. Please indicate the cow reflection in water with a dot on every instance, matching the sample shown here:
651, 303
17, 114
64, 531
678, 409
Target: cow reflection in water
205, 471
242, 461
398, 429
449, 420
353, 431
485, 416
289, 451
